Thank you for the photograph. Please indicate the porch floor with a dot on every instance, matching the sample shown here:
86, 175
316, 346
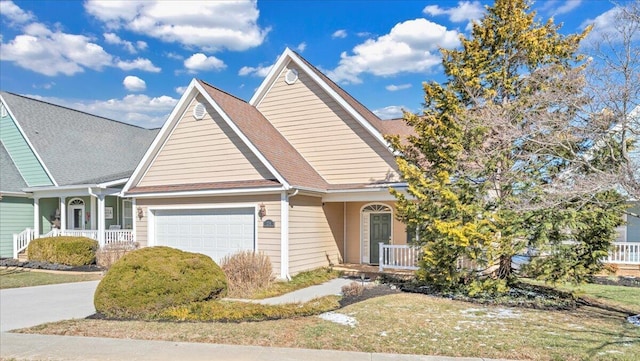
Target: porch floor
372, 271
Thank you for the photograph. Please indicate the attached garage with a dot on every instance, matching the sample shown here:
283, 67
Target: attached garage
214, 232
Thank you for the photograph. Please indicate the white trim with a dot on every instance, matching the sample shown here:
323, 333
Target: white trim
288, 53
362, 240
210, 192
36, 217
113, 183
284, 235
15, 194
33, 149
151, 241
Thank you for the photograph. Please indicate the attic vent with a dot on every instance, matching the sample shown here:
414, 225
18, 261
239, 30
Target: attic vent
3, 111
291, 76
198, 111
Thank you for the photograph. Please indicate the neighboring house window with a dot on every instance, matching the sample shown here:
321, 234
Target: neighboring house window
127, 214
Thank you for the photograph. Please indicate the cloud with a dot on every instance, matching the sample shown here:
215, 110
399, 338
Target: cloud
390, 112
176, 56
393, 88
180, 90
411, 46
134, 84
200, 62
51, 53
339, 34
301, 46
112, 38
259, 71
208, 25
568, 6
465, 11
605, 26
138, 109
138, 64
14, 13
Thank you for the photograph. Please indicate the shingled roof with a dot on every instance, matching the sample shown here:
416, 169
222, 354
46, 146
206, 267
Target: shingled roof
269, 142
10, 178
77, 147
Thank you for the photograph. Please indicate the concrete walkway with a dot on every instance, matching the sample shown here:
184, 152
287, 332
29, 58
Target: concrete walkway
71, 348
333, 287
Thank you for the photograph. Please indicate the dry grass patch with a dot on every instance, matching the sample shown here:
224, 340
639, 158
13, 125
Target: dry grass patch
20, 277
410, 324
299, 281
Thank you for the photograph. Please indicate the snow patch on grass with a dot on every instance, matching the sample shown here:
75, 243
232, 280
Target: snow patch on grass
339, 318
491, 313
634, 320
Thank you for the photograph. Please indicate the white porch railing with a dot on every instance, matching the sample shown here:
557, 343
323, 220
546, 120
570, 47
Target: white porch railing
21, 241
624, 253
398, 256
118, 236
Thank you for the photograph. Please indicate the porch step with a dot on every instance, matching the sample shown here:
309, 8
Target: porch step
23, 256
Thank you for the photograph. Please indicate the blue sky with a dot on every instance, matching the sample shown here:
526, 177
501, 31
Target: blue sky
130, 60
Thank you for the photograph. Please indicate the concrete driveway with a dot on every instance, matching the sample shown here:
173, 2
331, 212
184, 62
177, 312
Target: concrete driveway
31, 306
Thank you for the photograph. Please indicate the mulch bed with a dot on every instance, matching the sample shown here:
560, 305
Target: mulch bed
10, 262
617, 281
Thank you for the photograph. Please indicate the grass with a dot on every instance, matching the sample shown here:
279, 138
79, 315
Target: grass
299, 281
14, 278
408, 324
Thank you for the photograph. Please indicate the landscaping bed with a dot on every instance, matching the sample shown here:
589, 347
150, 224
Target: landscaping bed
10, 262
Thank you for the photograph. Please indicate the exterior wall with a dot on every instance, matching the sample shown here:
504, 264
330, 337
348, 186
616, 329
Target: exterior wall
399, 233
48, 207
334, 143
115, 203
200, 151
21, 154
633, 224
311, 241
268, 239
334, 212
16, 214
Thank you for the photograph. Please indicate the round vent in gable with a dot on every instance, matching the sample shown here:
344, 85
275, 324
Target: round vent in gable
199, 110
291, 76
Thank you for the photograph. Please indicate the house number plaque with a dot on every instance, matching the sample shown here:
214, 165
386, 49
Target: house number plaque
269, 224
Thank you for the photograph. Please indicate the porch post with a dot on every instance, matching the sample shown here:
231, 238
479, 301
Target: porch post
101, 220
284, 235
63, 214
36, 217
381, 255
93, 211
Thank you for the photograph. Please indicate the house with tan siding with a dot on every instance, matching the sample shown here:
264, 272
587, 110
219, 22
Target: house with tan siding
300, 172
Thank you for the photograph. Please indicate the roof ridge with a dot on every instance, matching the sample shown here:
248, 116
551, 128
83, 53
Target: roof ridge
75, 110
224, 92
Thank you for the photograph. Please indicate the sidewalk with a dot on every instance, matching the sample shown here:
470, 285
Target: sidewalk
332, 287
71, 348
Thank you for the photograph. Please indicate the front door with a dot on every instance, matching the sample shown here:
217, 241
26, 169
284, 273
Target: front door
379, 231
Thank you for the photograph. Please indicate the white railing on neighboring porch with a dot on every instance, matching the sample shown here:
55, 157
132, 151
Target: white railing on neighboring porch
21, 241
624, 253
398, 256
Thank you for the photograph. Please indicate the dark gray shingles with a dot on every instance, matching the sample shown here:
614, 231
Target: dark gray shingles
76, 146
10, 178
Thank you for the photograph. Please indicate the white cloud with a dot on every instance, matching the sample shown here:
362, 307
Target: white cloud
136, 109
259, 71
51, 53
339, 34
411, 46
301, 47
113, 38
390, 112
363, 34
14, 13
605, 26
199, 62
134, 84
393, 88
465, 11
568, 6
174, 56
180, 90
208, 25
138, 64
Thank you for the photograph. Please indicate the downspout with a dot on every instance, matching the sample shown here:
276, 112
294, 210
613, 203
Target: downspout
284, 233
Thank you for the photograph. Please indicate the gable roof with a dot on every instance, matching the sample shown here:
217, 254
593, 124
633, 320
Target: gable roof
77, 147
10, 178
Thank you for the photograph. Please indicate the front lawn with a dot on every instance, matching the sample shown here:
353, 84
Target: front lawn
410, 324
20, 277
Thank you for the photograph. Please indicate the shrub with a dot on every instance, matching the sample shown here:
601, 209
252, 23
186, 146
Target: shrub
149, 280
71, 251
247, 272
353, 289
109, 254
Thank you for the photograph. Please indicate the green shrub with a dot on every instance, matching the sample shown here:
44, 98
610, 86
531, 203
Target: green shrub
247, 272
71, 251
150, 280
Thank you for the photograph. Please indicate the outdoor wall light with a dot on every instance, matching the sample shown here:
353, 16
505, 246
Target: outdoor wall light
262, 211
140, 213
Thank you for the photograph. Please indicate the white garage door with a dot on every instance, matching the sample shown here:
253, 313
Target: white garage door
214, 232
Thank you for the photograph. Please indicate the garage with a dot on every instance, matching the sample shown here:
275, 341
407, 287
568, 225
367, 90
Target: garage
214, 232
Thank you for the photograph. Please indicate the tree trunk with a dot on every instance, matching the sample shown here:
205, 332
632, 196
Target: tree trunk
504, 270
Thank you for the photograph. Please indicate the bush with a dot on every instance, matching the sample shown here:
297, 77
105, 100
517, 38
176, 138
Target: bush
71, 251
149, 280
353, 289
111, 253
247, 272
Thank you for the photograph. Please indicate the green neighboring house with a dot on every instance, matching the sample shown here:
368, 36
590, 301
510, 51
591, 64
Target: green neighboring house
62, 172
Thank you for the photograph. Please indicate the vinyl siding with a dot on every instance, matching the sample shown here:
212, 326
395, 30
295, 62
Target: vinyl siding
311, 241
334, 143
22, 155
16, 214
202, 151
268, 240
